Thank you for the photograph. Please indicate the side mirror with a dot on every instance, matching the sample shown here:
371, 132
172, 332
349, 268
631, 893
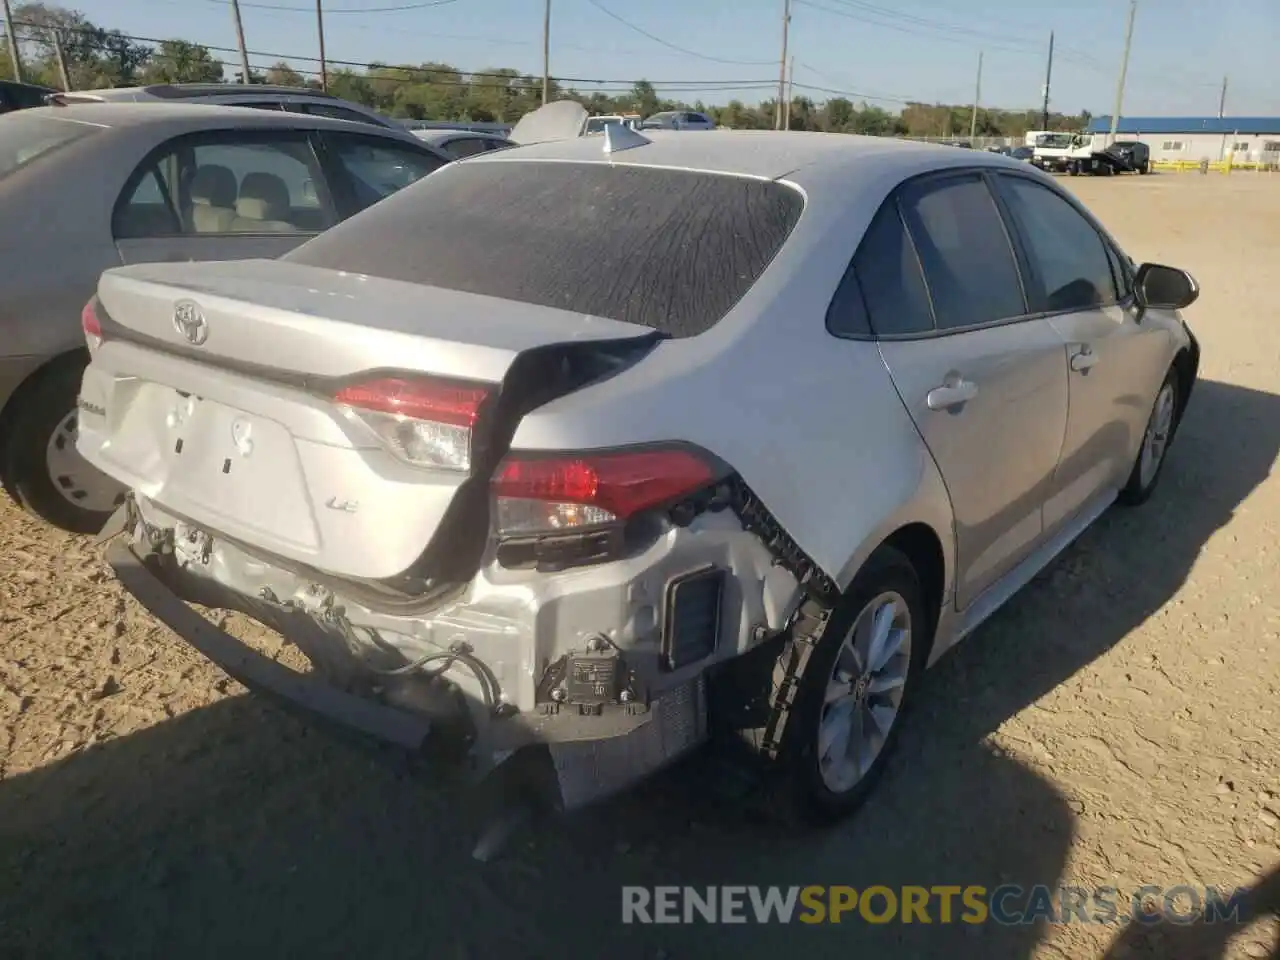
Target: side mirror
1165, 288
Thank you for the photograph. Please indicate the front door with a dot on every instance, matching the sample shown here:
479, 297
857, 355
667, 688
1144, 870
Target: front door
1114, 362
985, 384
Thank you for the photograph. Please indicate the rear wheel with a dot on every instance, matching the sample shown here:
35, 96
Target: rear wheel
41, 468
855, 685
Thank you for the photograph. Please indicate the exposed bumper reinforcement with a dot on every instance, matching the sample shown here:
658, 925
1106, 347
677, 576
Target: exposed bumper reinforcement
389, 724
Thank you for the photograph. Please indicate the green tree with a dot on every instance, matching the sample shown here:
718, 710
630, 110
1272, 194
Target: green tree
120, 60
644, 98
352, 86
177, 61
283, 75
838, 115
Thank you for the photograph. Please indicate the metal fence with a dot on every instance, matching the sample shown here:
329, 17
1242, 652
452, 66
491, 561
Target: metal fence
978, 143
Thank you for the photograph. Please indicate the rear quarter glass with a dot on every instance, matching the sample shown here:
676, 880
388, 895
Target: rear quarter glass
671, 250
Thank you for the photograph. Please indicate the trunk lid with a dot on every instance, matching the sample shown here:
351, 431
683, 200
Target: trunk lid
213, 394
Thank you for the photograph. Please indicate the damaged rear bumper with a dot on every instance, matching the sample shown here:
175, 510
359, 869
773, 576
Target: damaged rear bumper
257, 672
592, 756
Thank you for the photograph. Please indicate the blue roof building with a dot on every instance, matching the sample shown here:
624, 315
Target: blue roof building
1261, 126
1246, 139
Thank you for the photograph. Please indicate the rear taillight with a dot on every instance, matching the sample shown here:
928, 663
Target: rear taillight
91, 325
548, 495
423, 421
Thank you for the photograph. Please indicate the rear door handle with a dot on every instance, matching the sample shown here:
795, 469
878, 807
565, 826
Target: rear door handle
1084, 360
951, 394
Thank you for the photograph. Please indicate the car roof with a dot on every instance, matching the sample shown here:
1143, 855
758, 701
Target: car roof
182, 91
437, 135
202, 115
802, 158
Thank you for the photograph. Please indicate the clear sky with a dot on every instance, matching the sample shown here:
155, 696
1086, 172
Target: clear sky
918, 49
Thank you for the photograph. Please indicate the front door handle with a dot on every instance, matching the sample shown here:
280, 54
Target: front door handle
1083, 361
951, 394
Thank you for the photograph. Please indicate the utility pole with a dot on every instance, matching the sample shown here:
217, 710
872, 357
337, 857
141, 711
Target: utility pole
324, 69
546, 52
782, 64
1222, 100
246, 77
14, 54
1124, 70
1048, 79
61, 57
791, 93
977, 98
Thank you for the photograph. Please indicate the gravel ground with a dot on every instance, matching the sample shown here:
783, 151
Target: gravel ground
1116, 724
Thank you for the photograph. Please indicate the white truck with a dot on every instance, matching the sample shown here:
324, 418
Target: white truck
1076, 153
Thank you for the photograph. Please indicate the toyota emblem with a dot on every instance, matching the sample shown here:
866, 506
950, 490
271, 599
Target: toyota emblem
188, 320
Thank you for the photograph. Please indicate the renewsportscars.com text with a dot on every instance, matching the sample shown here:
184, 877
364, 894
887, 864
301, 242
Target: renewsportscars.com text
972, 904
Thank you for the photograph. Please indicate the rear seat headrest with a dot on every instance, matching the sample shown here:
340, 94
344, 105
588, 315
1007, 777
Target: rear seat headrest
263, 196
214, 186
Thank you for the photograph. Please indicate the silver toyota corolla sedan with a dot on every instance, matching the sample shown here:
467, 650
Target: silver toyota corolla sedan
87, 187
593, 447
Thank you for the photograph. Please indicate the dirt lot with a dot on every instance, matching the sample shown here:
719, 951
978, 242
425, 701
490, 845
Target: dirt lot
1117, 724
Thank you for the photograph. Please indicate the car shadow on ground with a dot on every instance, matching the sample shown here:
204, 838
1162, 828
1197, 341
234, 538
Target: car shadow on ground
237, 829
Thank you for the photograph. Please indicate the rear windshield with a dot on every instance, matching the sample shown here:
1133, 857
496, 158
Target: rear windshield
668, 249
24, 138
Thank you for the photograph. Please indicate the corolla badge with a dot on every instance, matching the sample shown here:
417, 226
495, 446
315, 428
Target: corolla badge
188, 320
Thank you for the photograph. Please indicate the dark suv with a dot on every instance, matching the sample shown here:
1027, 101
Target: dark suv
1135, 154
19, 96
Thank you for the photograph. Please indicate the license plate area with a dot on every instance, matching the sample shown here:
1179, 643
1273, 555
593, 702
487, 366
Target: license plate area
215, 462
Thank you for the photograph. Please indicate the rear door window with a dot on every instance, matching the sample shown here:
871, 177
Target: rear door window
232, 182
968, 262
673, 250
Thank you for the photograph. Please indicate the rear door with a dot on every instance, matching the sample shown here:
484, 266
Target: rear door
223, 195
1078, 280
985, 383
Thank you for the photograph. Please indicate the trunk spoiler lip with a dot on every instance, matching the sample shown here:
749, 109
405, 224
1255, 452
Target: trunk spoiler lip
316, 384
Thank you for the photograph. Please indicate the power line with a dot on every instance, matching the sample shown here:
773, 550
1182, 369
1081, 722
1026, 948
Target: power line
409, 68
936, 30
886, 97
292, 9
532, 88
666, 43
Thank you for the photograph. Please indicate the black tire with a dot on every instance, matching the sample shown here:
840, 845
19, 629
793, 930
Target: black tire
1145, 168
1135, 491
806, 796
39, 407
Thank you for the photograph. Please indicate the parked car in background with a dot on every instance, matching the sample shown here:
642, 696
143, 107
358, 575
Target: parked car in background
563, 453
1133, 154
22, 96
90, 186
597, 123
260, 96
678, 120
463, 143
477, 126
